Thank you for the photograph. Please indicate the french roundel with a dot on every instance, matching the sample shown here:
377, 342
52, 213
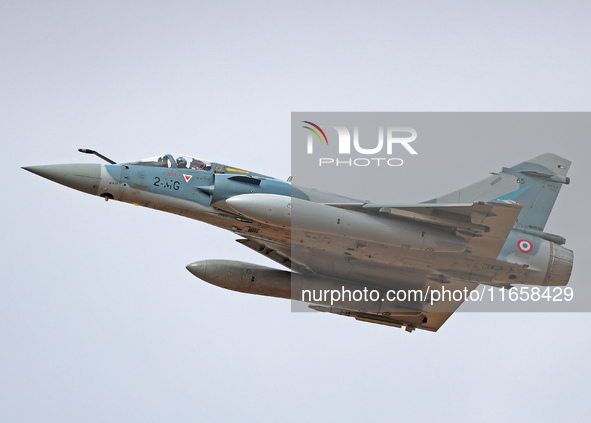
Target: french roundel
525, 246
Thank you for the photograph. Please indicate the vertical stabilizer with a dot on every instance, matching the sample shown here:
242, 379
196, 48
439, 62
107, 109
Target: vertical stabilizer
534, 184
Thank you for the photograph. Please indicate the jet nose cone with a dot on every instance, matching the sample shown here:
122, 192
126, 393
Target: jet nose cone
198, 269
83, 177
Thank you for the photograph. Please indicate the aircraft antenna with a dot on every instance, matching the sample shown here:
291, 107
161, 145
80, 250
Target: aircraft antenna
96, 153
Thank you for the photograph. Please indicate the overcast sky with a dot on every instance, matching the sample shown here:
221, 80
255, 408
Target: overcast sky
100, 321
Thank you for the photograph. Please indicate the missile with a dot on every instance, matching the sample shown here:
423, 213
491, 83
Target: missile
306, 216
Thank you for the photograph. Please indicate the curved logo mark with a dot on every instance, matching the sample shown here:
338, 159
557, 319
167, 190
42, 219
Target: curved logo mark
317, 134
525, 246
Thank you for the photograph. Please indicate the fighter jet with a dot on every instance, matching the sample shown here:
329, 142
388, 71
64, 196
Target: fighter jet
389, 264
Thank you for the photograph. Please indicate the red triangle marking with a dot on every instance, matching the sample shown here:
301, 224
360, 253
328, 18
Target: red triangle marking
187, 177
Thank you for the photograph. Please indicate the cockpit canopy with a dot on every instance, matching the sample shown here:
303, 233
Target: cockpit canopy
176, 161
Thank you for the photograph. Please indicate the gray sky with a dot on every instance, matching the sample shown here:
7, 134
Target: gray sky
100, 321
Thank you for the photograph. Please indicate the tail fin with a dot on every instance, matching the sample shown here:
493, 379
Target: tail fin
534, 184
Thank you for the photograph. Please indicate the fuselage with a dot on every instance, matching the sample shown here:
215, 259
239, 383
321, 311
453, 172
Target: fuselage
309, 227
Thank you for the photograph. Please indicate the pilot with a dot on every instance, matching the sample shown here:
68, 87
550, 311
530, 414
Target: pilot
181, 162
162, 161
197, 164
